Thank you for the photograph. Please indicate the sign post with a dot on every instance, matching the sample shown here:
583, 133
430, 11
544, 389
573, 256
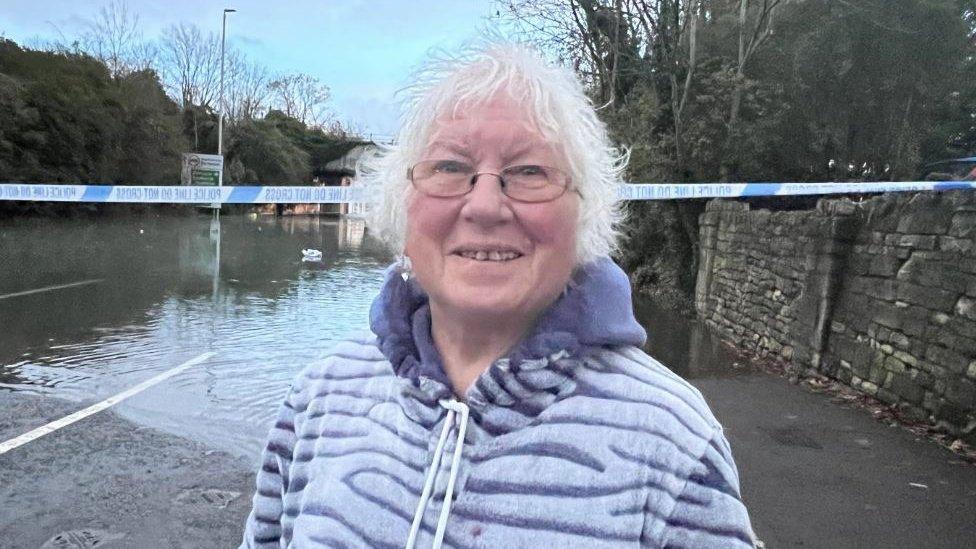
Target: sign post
203, 170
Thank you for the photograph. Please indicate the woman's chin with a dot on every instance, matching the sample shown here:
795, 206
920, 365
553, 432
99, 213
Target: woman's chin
517, 302
484, 306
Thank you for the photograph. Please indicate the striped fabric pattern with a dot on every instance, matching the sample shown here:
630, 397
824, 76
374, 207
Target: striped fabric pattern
605, 447
576, 438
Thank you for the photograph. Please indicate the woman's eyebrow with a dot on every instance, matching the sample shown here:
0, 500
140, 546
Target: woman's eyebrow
522, 150
517, 150
452, 146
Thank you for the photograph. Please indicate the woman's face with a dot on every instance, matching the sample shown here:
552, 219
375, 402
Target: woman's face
535, 242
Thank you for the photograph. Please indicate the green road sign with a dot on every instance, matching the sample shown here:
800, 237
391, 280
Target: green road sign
202, 169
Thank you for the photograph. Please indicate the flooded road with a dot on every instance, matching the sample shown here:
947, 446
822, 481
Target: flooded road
155, 292
89, 308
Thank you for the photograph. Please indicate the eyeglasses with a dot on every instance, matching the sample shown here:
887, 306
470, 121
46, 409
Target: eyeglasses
526, 183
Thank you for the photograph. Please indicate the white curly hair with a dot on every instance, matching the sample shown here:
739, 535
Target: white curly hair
558, 107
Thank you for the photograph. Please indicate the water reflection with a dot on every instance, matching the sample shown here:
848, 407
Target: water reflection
351, 233
685, 345
171, 288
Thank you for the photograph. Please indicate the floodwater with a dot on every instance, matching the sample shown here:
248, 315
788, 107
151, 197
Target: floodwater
686, 345
137, 296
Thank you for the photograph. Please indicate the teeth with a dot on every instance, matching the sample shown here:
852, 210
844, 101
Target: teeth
493, 255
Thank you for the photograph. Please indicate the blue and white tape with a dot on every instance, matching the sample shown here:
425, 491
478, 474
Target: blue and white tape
347, 195
677, 191
180, 194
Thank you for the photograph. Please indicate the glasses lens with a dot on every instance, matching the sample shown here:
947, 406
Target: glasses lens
442, 177
532, 183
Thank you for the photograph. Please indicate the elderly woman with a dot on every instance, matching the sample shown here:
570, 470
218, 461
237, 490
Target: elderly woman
502, 399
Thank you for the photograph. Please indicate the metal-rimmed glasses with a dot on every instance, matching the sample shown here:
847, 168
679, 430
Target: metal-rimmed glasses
524, 183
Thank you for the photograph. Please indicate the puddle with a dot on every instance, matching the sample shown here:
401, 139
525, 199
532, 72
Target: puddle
685, 345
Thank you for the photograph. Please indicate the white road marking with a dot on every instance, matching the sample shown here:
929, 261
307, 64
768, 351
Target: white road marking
95, 408
49, 288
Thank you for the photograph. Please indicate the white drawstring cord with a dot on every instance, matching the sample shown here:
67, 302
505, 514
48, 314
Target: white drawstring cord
453, 407
461, 408
435, 464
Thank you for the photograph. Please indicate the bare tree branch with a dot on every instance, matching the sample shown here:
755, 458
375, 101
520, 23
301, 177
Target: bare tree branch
302, 97
114, 38
246, 89
762, 30
191, 65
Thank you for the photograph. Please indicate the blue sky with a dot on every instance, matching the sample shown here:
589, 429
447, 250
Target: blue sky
363, 49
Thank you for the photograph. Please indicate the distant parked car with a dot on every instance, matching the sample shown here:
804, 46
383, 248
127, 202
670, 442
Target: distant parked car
957, 169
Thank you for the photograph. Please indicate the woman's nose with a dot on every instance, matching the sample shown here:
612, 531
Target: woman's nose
486, 204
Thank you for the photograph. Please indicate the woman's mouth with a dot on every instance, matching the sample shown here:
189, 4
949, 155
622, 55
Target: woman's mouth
489, 255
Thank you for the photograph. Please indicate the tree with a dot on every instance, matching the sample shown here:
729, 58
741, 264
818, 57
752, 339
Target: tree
148, 146
954, 133
598, 40
751, 37
552, 27
763, 90
266, 154
624, 49
302, 97
246, 91
65, 118
860, 82
322, 146
114, 38
190, 62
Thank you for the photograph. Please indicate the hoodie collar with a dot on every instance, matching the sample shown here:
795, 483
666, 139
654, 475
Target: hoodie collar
595, 310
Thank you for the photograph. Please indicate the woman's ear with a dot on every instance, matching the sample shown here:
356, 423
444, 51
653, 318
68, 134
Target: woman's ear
404, 266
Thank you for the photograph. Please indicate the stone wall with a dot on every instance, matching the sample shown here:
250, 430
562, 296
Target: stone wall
879, 294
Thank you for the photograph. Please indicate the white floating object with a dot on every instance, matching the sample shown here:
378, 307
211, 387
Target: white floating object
311, 254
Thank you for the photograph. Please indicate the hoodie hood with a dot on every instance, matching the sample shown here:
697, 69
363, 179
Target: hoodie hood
595, 310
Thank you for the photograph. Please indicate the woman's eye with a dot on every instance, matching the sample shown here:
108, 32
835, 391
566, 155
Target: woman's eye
450, 166
529, 170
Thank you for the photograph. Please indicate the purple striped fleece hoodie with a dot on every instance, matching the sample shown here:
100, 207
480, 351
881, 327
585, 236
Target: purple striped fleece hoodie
575, 439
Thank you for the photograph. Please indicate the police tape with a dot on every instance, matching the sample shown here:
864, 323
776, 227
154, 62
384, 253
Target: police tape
673, 191
350, 195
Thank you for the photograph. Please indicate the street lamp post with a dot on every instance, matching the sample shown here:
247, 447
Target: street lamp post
220, 119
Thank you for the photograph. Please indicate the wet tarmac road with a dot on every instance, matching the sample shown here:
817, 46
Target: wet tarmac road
110, 480
816, 473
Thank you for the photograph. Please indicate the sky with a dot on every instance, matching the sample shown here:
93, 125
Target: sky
364, 50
